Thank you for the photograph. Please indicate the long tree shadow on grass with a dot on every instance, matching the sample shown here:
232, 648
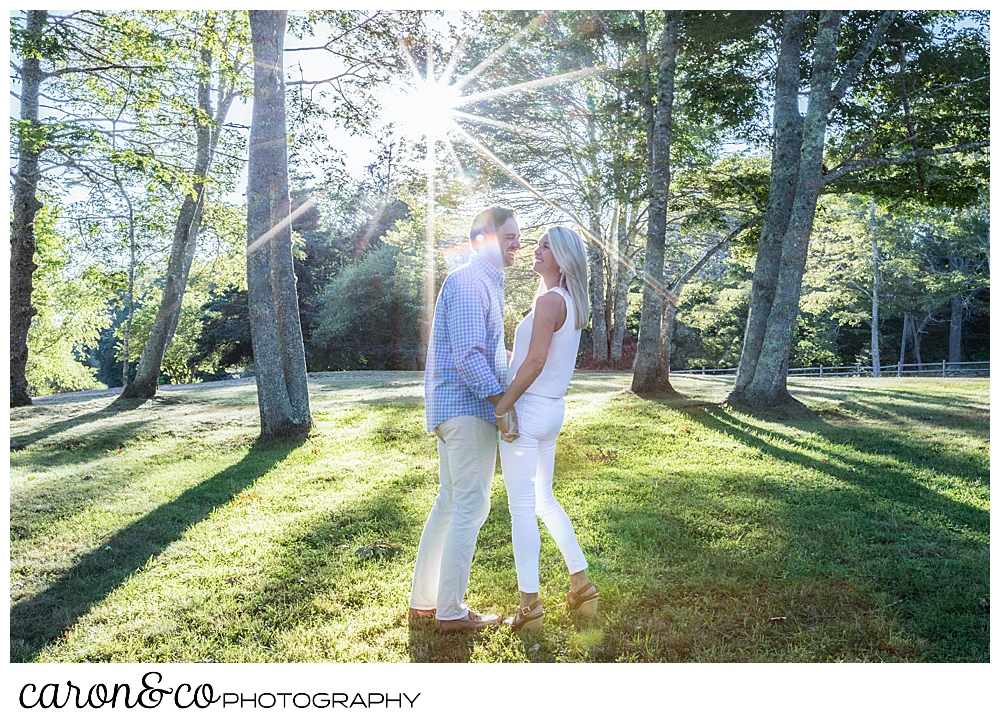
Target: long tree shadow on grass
116, 407
348, 573
37, 620
910, 540
339, 587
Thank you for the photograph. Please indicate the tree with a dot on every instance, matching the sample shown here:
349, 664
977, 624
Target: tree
71, 303
26, 205
876, 284
217, 36
649, 376
798, 165
278, 351
63, 52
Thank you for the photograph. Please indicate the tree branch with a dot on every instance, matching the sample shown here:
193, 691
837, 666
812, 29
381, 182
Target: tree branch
919, 153
859, 59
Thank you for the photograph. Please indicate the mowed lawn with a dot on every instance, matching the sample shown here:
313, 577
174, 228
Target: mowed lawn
158, 531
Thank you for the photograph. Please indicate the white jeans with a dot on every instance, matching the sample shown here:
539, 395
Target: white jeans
528, 463
467, 457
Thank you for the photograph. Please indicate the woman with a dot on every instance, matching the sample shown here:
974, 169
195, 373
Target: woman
541, 366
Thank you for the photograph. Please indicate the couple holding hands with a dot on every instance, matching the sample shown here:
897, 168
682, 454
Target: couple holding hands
472, 389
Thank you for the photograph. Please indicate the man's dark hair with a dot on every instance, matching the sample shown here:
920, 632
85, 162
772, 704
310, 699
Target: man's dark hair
490, 219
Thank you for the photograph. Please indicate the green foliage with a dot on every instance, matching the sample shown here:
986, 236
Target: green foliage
373, 313
941, 92
711, 317
369, 316
225, 330
180, 364
72, 305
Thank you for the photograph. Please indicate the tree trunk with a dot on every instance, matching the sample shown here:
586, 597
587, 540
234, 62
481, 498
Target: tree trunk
279, 355
598, 319
876, 283
667, 323
130, 294
907, 323
955, 330
596, 255
185, 241
768, 388
917, 332
623, 279
25, 207
785, 156
649, 376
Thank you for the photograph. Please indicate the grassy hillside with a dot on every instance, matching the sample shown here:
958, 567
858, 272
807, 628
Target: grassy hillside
157, 531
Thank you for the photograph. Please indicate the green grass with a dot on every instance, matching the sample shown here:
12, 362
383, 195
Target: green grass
858, 531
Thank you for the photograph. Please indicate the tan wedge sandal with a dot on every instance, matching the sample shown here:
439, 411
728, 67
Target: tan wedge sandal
527, 618
583, 602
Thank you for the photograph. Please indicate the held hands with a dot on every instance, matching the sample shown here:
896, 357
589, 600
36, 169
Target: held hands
507, 424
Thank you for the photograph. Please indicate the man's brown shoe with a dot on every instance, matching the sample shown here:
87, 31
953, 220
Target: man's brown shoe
472, 621
418, 614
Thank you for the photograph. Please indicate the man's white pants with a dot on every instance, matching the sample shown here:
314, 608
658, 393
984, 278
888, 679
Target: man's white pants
467, 456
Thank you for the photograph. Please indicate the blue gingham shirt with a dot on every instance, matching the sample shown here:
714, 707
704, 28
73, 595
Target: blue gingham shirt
466, 359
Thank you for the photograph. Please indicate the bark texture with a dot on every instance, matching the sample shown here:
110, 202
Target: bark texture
24, 208
649, 375
876, 284
768, 386
955, 330
785, 154
907, 325
623, 279
762, 377
185, 241
595, 255
279, 355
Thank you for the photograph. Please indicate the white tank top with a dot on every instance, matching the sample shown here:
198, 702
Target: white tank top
559, 364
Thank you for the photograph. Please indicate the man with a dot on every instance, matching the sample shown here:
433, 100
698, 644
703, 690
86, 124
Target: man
464, 379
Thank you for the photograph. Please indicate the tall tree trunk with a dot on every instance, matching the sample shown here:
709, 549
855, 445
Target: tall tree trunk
769, 385
955, 330
907, 322
130, 294
185, 241
598, 319
917, 333
785, 155
623, 279
667, 323
649, 375
25, 207
876, 284
279, 355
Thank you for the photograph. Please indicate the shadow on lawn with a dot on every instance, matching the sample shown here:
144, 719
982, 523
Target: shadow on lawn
914, 543
116, 407
36, 621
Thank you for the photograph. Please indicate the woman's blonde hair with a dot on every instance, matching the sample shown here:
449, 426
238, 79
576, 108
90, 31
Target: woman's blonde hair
571, 255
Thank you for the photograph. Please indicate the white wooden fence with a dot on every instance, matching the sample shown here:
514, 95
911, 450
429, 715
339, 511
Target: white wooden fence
942, 369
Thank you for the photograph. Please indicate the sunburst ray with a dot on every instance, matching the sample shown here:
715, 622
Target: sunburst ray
528, 85
495, 123
488, 61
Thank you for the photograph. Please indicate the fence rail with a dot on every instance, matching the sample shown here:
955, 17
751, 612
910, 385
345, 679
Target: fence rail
942, 369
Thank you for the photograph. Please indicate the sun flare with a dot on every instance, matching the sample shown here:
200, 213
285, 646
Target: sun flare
426, 109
